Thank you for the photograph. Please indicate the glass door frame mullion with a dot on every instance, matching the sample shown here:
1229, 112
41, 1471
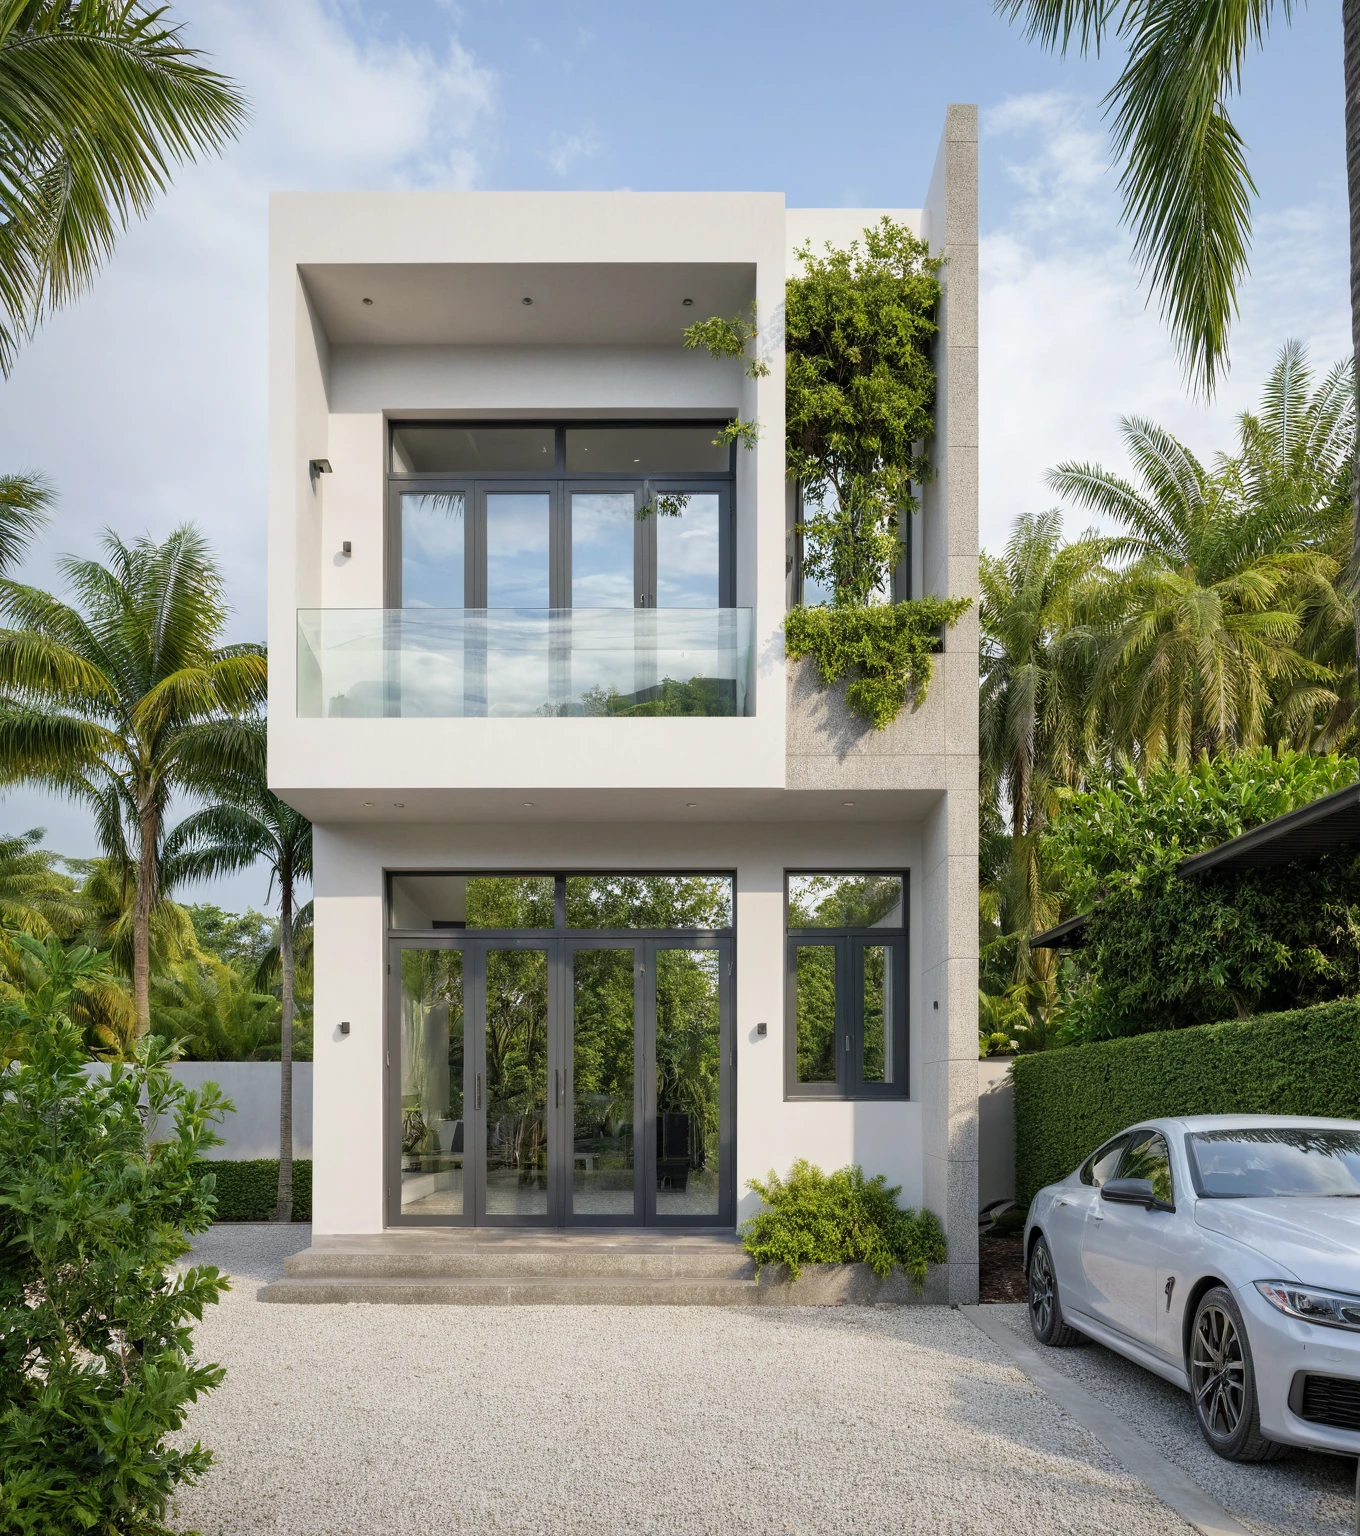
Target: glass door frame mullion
571, 945
725, 944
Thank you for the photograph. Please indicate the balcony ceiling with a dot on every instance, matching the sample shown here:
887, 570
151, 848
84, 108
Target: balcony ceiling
622, 304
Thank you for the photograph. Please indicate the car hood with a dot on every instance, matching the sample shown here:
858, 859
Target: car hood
1315, 1240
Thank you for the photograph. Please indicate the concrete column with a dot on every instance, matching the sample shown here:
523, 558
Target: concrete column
947, 898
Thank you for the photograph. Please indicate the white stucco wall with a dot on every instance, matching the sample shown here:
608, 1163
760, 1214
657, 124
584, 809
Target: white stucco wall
883, 1137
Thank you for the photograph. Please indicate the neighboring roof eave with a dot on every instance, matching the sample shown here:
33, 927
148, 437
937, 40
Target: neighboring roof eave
1068, 934
1303, 834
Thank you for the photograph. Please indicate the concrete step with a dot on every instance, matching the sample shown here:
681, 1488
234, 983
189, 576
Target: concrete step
511, 1261
543, 1291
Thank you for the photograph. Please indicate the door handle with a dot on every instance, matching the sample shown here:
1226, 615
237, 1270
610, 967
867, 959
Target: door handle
479, 1090
1064, 1202
557, 1089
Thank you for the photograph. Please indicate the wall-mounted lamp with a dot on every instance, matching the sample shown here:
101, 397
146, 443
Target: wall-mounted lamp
762, 1029
344, 1026
345, 548
319, 467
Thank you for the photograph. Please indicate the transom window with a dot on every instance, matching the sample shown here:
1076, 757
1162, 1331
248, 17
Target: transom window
846, 984
600, 516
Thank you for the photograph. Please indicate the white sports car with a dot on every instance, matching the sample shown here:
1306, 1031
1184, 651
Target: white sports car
1223, 1253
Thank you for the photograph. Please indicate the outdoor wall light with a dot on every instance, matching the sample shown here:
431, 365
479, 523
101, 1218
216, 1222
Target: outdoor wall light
346, 549
344, 1026
762, 1029
688, 303
319, 467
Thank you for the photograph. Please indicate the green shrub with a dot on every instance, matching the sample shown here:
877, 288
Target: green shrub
249, 1190
840, 1218
889, 649
96, 1350
1306, 1062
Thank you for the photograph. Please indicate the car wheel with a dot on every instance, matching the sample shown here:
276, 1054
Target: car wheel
1223, 1381
1045, 1305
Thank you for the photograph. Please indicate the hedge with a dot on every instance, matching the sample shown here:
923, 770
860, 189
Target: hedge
1304, 1062
249, 1191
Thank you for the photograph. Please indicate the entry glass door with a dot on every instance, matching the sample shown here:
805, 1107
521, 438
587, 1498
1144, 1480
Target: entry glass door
551, 1082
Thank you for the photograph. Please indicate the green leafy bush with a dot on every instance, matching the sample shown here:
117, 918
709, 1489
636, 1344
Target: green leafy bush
1305, 1062
96, 1353
248, 1190
888, 648
840, 1218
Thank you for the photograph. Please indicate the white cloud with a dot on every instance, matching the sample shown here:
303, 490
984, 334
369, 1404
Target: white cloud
146, 403
1068, 342
568, 150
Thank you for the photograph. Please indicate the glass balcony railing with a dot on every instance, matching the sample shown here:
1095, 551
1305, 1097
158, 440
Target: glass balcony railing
522, 663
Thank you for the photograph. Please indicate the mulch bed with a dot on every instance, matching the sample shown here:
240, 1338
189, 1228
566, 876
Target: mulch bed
1001, 1269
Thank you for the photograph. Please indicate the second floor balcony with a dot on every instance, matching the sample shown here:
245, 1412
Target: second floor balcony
523, 663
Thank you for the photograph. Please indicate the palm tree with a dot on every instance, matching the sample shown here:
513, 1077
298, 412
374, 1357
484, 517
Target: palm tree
231, 835
34, 898
126, 697
1203, 625
97, 101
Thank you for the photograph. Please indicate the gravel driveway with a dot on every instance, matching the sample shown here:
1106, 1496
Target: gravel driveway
562, 1420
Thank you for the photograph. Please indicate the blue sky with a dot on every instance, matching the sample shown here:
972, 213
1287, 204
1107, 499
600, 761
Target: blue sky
147, 403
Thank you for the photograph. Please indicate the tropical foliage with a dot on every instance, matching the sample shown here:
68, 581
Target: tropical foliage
96, 1356
126, 697
97, 101
1206, 622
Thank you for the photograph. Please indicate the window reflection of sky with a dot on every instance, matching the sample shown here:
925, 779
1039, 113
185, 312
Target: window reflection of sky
432, 530
602, 549
687, 555
1279, 1162
517, 550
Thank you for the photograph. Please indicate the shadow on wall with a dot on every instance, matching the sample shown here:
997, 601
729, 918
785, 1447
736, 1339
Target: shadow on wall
996, 1131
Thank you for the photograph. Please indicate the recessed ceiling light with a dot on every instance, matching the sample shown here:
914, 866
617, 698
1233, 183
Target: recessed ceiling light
687, 302
526, 301
528, 805
847, 802
398, 805
691, 805
368, 301
368, 804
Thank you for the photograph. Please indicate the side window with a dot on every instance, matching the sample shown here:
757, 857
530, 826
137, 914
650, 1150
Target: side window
1147, 1158
1102, 1163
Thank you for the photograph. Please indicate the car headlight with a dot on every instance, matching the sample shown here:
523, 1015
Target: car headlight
1333, 1309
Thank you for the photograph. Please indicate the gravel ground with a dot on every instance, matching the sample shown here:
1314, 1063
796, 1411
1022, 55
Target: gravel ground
356, 1420
1306, 1494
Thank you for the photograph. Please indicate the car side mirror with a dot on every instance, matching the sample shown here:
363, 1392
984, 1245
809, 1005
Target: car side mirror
1134, 1192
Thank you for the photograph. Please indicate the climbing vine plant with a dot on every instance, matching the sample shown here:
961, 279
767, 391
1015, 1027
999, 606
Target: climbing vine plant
859, 408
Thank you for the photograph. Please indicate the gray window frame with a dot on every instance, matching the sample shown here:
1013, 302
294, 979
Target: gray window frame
850, 944
561, 485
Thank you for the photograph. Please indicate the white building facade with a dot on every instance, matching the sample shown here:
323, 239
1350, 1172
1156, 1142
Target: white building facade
616, 909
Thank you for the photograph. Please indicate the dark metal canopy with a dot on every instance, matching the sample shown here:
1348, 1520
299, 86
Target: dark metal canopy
1297, 837
1068, 934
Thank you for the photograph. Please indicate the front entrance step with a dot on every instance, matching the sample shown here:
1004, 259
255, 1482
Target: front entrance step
476, 1267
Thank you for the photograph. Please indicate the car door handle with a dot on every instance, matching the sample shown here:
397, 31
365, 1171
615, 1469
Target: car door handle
1064, 1202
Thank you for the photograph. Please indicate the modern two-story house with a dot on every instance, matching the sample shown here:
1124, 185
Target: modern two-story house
615, 907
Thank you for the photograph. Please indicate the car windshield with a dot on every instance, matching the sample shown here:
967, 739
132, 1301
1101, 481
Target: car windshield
1276, 1160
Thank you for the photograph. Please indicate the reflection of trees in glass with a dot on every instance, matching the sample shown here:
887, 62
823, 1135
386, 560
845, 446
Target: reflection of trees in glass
844, 901
431, 1045
510, 901
1148, 1159
706, 696
516, 1060
688, 1046
649, 901
877, 982
602, 1052
815, 1012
